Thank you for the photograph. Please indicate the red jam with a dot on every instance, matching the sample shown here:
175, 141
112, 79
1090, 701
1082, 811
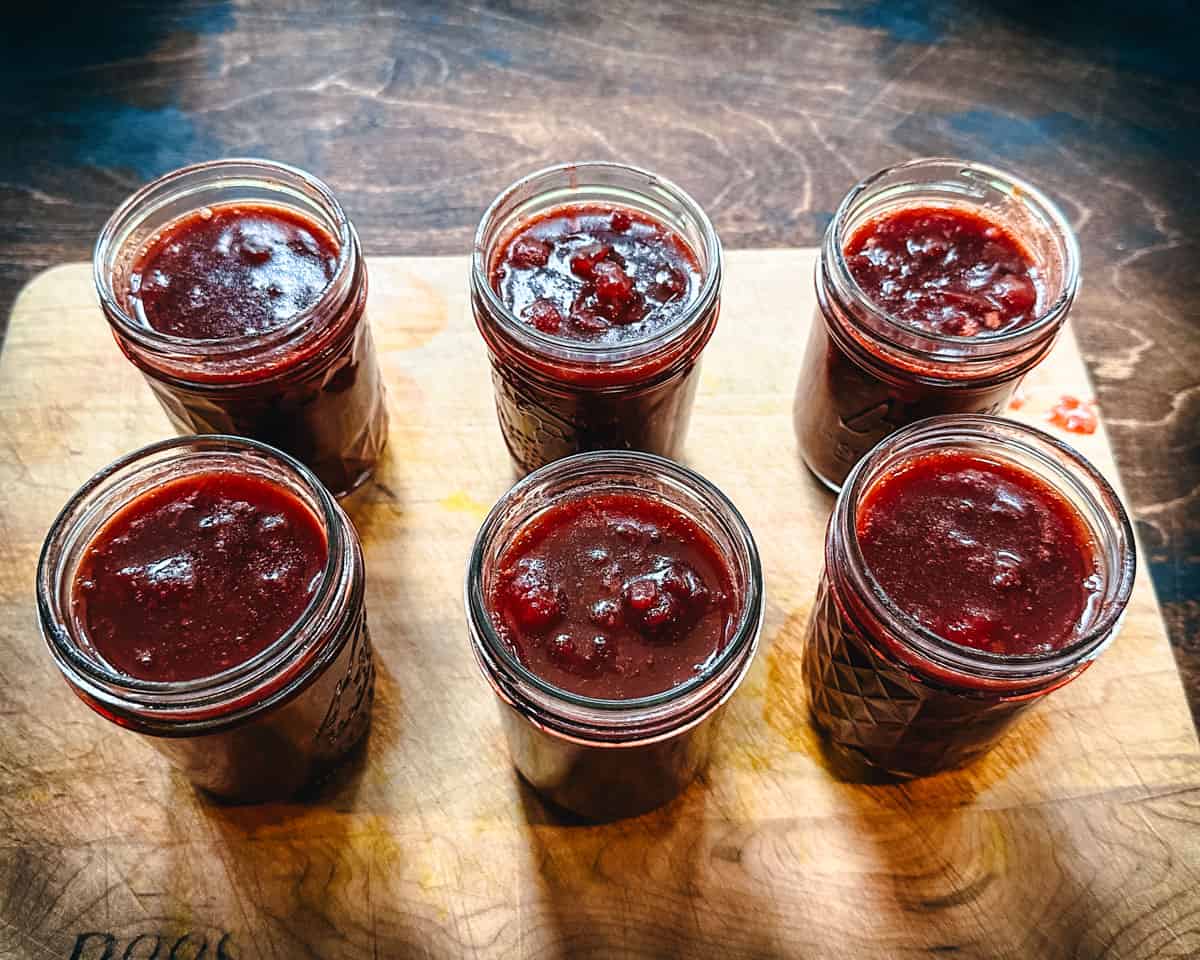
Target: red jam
221, 280
232, 270
602, 274
1005, 564
945, 270
198, 575
613, 596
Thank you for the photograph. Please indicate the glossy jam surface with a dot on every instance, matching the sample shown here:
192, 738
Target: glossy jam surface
601, 274
981, 552
198, 575
945, 270
232, 270
614, 596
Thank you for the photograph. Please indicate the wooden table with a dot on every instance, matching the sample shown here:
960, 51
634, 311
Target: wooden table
418, 113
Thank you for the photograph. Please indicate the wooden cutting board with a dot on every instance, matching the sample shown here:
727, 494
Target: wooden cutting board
1079, 837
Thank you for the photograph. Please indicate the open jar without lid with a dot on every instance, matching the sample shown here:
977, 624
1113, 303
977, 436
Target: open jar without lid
604, 759
867, 373
886, 689
259, 729
309, 385
557, 396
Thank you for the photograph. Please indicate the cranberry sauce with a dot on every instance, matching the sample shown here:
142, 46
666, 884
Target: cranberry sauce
613, 596
232, 270
938, 271
198, 575
945, 270
603, 274
1005, 565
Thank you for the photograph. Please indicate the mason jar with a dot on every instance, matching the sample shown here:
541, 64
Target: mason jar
884, 689
557, 396
260, 729
866, 374
605, 759
311, 386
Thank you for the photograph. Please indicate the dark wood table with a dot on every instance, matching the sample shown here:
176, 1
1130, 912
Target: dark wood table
418, 113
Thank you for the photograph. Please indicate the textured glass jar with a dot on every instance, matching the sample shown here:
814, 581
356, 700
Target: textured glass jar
264, 728
556, 396
889, 692
310, 387
604, 759
865, 374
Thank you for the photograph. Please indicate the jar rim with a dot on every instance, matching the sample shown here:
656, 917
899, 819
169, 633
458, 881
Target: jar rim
743, 636
113, 687
173, 185
1067, 465
898, 334
563, 349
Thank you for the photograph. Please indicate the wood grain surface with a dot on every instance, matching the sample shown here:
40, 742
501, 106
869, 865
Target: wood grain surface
1077, 838
419, 112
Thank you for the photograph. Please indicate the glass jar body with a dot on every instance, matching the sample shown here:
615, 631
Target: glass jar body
605, 759
544, 420
262, 729
556, 397
888, 693
311, 388
865, 375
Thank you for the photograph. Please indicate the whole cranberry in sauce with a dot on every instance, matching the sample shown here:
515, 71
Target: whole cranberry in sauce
597, 273
945, 270
613, 596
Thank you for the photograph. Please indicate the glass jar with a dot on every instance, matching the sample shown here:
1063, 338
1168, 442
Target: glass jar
887, 691
259, 730
556, 396
604, 759
310, 387
865, 374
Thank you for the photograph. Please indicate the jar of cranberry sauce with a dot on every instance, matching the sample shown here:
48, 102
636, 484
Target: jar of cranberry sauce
207, 592
940, 283
239, 290
615, 601
596, 287
1026, 565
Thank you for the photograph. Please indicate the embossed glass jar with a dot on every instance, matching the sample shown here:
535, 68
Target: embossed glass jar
605, 759
555, 396
865, 374
884, 689
264, 728
312, 386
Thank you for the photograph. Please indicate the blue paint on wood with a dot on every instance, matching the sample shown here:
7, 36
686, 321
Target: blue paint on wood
112, 135
1014, 137
905, 21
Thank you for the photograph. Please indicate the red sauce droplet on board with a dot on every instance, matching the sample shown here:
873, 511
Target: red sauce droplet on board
1017, 401
1075, 415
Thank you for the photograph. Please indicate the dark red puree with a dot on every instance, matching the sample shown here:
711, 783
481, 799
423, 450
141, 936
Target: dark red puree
613, 596
945, 270
231, 271
602, 274
982, 553
198, 575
